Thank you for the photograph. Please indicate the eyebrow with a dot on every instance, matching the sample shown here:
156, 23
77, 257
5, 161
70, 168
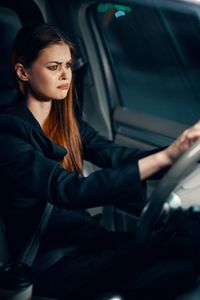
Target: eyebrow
58, 62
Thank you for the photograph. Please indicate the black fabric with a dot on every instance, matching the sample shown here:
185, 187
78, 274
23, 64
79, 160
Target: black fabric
112, 261
30, 164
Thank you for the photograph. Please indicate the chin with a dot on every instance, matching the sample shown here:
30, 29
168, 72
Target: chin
60, 98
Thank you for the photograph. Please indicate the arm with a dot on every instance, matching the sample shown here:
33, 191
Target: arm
150, 165
32, 175
28, 171
105, 153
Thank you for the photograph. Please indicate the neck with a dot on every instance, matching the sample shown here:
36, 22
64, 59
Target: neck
40, 109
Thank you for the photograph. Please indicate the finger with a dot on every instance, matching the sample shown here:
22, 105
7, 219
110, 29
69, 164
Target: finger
197, 125
193, 134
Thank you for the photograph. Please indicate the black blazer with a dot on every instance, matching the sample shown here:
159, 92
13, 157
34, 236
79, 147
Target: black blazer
31, 173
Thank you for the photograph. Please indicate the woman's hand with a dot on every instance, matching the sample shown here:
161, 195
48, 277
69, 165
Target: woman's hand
151, 164
182, 143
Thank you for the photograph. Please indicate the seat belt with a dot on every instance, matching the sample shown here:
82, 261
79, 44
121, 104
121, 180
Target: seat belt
29, 253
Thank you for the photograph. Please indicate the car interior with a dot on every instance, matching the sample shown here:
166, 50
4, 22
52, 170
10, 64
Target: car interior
99, 93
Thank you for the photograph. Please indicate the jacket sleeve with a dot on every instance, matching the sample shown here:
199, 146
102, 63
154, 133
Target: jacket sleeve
32, 175
105, 153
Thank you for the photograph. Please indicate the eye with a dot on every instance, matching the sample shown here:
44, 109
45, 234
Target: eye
68, 64
53, 67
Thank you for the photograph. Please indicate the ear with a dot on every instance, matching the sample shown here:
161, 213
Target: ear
21, 72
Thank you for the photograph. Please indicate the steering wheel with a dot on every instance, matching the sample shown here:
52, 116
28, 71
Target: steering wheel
161, 195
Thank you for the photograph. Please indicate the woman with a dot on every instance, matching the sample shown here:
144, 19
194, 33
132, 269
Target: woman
42, 152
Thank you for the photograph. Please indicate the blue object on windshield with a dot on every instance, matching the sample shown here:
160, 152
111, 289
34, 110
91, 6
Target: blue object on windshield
104, 7
119, 13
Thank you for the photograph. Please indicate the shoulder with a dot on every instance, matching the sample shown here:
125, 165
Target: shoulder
20, 132
13, 137
10, 124
18, 120
89, 133
15, 132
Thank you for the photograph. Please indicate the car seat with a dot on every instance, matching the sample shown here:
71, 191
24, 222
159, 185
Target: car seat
9, 25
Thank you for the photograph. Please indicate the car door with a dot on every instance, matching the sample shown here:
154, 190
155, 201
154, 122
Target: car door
144, 70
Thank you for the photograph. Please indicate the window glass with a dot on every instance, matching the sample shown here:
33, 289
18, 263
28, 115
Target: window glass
156, 59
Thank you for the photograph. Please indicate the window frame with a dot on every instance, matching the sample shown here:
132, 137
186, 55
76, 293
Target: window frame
129, 127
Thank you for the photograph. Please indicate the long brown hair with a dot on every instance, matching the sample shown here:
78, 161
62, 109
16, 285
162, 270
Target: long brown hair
61, 125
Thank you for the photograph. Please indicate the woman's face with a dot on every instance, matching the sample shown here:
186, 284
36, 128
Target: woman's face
50, 75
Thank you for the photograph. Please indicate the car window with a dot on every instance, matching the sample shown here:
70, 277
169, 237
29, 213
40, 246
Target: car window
155, 57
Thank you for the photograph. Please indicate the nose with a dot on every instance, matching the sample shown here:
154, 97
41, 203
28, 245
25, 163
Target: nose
65, 73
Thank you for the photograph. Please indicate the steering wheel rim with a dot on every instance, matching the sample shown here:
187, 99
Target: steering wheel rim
151, 212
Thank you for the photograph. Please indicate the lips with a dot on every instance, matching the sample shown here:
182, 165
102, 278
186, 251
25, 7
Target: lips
64, 86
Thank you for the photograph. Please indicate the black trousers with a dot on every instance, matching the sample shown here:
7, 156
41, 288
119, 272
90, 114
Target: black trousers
112, 262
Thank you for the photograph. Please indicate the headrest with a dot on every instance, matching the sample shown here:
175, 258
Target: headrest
9, 26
